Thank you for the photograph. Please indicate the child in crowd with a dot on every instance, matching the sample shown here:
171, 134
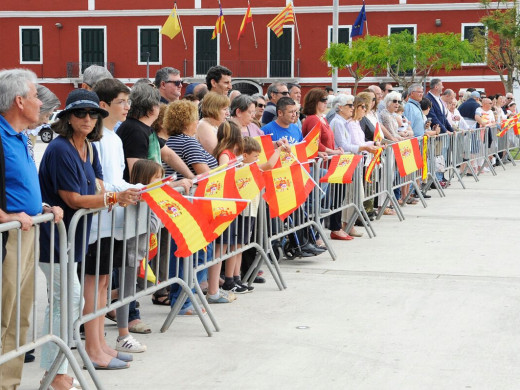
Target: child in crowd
230, 144
146, 172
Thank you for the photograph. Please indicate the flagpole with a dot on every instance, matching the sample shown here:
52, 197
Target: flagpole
308, 174
252, 24
366, 20
204, 176
220, 199
296, 25
180, 25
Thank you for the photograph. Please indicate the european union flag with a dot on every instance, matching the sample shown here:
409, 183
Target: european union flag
359, 24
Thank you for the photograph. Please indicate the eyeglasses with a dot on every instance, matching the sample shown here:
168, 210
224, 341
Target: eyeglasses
81, 113
284, 93
178, 83
260, 105
324, 100
396, 101
389, 90
349, 105
373, 99
122, 102
419, 92
362, 106
509, 98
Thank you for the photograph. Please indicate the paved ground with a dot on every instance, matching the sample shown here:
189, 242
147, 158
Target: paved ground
430, 303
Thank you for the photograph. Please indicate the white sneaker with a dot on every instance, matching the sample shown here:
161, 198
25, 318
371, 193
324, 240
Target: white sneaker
129, 344
486, 169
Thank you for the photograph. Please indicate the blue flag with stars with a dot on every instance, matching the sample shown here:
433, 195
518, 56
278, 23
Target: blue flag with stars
359, 24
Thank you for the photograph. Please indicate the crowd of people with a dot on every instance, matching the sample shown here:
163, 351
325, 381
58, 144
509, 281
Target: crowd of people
113, 139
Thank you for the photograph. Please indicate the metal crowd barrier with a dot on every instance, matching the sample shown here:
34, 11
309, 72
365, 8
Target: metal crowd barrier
57, 336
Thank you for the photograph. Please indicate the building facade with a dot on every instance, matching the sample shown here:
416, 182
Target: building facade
58, 39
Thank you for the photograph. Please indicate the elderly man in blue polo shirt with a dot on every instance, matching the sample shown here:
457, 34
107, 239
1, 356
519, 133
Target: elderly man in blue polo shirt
412, 109
19, 108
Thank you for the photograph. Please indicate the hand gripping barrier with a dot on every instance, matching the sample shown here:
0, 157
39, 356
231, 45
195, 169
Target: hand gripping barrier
22, 269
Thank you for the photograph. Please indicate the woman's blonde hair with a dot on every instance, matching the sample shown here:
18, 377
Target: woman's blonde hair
178, 116
212, 104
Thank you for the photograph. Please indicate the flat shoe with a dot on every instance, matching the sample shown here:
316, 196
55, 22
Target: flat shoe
124, 357
165, 301
259, 279
190, 311
334, 236
356, 234
140, 327
115, 364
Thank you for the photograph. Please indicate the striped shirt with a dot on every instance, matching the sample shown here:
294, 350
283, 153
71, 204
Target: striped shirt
190, 151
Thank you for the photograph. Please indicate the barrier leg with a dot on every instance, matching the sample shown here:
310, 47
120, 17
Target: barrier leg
419, 193
325, 240
205, 304
274, 261
455, 172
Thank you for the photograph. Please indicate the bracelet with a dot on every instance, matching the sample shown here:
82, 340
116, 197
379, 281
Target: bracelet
105, 198
46, 205
111, 198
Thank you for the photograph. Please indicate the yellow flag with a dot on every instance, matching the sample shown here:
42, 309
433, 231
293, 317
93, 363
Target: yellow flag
171, 27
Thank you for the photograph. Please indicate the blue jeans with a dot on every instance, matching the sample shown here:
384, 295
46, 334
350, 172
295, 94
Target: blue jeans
175, 289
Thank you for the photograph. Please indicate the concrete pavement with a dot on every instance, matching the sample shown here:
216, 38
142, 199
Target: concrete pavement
432, 302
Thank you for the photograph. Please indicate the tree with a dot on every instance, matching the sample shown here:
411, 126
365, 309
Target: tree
411, 61
361, 58
502, 43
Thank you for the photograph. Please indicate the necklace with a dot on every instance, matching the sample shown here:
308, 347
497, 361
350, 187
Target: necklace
82, 154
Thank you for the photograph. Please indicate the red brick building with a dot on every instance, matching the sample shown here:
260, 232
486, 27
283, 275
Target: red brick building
58, 38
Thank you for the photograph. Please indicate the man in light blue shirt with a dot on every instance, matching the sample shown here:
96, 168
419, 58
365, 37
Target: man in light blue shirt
412, 109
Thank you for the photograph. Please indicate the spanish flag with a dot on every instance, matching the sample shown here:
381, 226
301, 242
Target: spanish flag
508, 124
282, 18
286, 189
249, 181
219, 24
266, 142
172, 26
312, 141
378, 134
297, 154
248, 18
407, 156
341, 168
145, 270
375, 161
219, 213
184, 221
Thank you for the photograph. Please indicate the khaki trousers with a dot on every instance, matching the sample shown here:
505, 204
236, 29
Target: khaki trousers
11, 371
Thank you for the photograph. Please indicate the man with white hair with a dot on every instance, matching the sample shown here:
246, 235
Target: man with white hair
19, 108
93, 74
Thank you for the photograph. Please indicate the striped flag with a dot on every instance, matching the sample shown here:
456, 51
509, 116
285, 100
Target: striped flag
184, 221
219, 213
249, 181
341, 168
248, 18
286, 189
282, 18
266, 142
407, 156
219, 24
312, 141
296, 155
378, 134
375, 160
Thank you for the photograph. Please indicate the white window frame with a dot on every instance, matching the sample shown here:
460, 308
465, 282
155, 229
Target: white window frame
329, 32
462, 39
39, 28
195, 28
390, 26
104, 28
269, 51
139, 28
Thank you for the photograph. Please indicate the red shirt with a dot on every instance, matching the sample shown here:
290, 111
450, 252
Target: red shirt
326, 133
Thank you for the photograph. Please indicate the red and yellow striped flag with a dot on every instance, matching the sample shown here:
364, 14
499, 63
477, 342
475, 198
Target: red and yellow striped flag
219, 24
282, 18
249, 181
407, 156
219, 213
286, 189
296, 155
312, 141
184, 221
341, 168
248, 18
378, 134
266, 142
511, 123
375, 160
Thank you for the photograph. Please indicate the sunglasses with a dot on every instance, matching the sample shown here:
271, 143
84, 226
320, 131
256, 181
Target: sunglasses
396, 101
324, 100
389, 90
349, 105
373, 99
80, 114
362, 106
285, 93
178, 83
509, 98
260, 105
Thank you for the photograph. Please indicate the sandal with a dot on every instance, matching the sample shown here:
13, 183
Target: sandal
140, 327
412, 201
163, 299
389, 211
190, 311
